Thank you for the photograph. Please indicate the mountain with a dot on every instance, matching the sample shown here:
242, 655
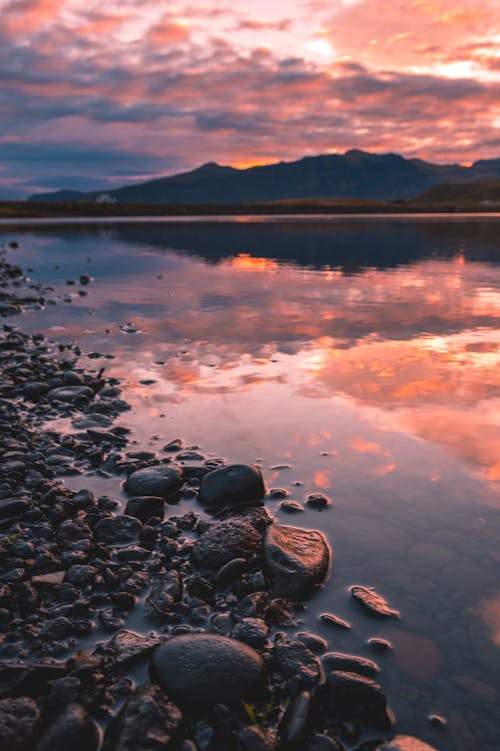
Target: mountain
355, 174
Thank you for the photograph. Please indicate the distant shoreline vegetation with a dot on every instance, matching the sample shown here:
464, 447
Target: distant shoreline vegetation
75, 209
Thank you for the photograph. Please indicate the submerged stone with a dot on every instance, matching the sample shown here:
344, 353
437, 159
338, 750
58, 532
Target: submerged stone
70, 394
207, 669
355, 697
17, 721
405, 743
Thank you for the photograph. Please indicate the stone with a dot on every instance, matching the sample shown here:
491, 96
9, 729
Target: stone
350, 663
148, 721
253, 738
117, 529
405, 743
374, 603
70, 394
317, 501
73, 729
236, 484
11, 508
127, 646
207, 669
252, 631
143, 507
165, 592
163, 481
81, 575
298, 664
293, 726
18, 718
356, 697
321, 742
296, 559
223, 541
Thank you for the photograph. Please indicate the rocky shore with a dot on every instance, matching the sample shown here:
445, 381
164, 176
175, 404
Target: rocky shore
131, 627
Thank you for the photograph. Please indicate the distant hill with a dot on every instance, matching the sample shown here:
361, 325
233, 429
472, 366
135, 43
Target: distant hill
355, 174
485, 193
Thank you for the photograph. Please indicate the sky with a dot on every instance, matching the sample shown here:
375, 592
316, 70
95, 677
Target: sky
96, 95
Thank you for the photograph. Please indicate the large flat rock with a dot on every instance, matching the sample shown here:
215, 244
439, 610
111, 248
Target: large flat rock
297, 560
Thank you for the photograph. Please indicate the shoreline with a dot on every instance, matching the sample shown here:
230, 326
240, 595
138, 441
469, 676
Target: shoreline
223, 580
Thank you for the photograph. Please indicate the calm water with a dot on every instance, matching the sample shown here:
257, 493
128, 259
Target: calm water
355, 357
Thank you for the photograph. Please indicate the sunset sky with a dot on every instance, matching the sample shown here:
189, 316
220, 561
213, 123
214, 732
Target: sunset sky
95, 95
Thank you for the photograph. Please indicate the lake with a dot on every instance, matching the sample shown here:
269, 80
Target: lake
356, 357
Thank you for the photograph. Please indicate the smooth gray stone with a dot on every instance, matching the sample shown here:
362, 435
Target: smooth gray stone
207, 669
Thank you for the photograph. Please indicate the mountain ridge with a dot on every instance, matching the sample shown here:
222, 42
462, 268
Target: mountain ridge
355, 174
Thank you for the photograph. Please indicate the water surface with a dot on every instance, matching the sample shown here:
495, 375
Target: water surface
356, 357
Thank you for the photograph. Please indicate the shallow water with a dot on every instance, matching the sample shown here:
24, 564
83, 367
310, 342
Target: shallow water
356, 357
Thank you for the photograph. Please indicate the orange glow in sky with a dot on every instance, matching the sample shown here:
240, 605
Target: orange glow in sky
153, 88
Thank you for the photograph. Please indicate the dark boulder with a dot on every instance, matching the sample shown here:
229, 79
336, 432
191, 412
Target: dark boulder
236, 484
207, 669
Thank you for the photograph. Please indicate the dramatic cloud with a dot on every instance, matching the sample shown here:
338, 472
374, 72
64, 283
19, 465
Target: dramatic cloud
168, 86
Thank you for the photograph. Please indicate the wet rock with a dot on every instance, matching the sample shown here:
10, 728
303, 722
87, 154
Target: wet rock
350, 663
236, 484
70, 394
52, 579
314, 643
73, 729
291, 507
294, 723
229, 572
252, 631
374, 603
317, 501
148, 721
174, 445
18, 718
296, 559
162, 481
12, 508
321, 742
355, 697
253, 738
81, 575
380, 645
298, 664
165, 592
405, 743
207, 669
127, 646
223, 541
333, 620
117, 529
143, 507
